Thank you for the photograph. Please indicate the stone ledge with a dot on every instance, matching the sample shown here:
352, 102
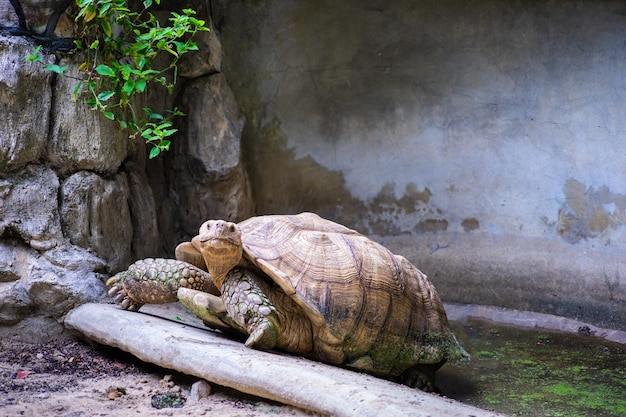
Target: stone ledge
539, 274
288, 379
529, 320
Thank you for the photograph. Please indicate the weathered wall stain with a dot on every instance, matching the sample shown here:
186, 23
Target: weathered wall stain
469, 224
588, 213
294, 185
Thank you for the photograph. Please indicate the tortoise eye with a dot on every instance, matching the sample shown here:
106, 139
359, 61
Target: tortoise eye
232, 228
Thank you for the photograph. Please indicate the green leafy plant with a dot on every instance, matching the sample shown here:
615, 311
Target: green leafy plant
121, 46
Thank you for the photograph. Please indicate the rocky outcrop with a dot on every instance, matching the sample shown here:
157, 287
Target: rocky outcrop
80, 138
204, 174
209, 151
95, 214
62, 228
78, 202
25, 94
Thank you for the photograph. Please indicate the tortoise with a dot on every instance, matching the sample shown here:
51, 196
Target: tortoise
305, 285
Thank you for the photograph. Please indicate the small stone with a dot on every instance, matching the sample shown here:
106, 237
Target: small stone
200, 390
115, 392
167, 381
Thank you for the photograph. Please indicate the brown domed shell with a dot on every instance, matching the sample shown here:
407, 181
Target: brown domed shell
361, 291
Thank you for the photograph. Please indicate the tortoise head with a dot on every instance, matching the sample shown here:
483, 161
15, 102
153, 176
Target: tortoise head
221, 247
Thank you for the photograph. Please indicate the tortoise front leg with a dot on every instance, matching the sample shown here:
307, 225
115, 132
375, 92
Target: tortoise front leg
249, 306
156, 281
210, 309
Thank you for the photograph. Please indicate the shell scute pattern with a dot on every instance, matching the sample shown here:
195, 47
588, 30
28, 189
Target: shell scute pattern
354, 286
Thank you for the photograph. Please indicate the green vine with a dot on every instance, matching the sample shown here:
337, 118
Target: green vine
121, 47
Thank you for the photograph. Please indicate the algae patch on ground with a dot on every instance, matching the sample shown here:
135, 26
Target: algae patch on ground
532, 373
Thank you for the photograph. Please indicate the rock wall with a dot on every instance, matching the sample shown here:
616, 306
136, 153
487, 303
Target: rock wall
79, 201
483, 140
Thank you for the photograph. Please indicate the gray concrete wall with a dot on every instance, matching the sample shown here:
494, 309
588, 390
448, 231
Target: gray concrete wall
483, 139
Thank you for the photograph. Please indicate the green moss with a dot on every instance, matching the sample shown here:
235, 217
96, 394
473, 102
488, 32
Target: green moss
524, 362
528, 373
392, 355
593, 397
544, 338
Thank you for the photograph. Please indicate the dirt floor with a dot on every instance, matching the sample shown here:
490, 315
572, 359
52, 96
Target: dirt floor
69, 378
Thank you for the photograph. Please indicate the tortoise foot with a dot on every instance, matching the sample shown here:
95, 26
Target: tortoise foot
264, 336
120, 295
155, 281
250, 307
421, 377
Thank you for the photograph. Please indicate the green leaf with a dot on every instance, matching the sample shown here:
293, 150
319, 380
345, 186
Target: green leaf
129, 87
56, 69
154, 152
192, 46
170, 50
105, 70
89, 13
140, 86
77, 90
109, 115
35, 55
105, 95
141, 63
152, 115
103, 11
147, 134
106, 28
126, 70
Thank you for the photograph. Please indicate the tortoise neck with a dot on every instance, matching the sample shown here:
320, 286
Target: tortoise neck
218, 275
220, 266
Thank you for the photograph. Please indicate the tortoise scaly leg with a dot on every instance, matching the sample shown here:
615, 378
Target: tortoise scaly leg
210, 309
156, 281
421, 376
249, 306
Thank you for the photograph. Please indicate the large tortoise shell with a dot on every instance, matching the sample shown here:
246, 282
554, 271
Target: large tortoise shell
348, 284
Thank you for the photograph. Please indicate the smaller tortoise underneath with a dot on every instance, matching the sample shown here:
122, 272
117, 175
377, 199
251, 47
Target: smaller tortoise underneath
304, 285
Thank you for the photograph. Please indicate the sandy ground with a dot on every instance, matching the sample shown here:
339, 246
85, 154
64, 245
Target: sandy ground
69, 378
